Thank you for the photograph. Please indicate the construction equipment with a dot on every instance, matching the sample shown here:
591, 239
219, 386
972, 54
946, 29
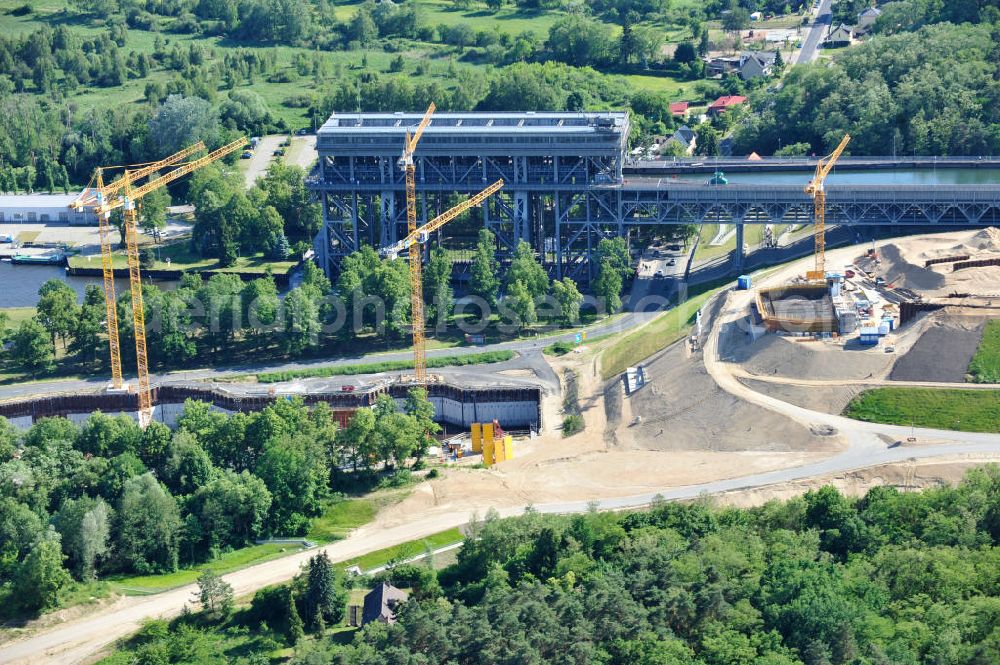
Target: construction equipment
816, 189
416, 270
130, 194
96, 194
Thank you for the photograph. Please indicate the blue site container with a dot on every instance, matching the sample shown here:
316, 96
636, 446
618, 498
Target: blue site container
834, 289
889, 321
743, 282
869, 336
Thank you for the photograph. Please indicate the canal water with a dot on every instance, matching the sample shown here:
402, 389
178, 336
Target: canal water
930, 176
19, 284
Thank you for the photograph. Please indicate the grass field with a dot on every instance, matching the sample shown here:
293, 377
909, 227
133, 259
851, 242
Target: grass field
178, 256
435, 59
985, 365
962, 410
386, 366
404, 550
16, 315
226, 563
341, 517
661, 332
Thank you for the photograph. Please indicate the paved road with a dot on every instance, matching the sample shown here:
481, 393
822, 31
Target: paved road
262, 158
810, 46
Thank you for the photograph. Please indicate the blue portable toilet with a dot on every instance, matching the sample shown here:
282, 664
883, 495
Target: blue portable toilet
889, 321
743, 282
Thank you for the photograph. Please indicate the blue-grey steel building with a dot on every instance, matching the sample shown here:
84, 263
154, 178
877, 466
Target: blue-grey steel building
568, 186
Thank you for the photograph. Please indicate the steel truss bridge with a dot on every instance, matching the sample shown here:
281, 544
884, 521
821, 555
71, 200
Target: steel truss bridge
567, 188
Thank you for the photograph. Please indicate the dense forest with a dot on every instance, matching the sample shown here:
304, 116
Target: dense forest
901, 578
935, 91
108, 497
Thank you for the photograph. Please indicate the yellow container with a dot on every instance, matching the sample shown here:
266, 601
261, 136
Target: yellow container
499, 451
488, 452
508, 447
477, 438
487, 432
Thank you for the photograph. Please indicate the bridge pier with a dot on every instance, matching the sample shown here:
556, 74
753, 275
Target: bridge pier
738, 256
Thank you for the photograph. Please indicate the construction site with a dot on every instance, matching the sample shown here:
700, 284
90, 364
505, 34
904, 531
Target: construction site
745, 400
811, 334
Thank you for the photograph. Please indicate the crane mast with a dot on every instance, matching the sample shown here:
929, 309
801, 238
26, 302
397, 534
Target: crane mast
416, 269
128, 200
99, 194
816, 189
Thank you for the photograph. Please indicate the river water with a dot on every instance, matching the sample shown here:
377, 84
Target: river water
932, 176
19, 284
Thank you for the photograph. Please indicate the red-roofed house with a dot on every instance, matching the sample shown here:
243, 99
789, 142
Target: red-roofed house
725, 103
679, 109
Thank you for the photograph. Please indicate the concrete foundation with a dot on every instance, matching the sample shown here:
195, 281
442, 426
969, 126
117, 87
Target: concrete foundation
797, 309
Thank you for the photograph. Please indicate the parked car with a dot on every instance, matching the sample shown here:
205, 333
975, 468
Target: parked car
247, 154
672, 262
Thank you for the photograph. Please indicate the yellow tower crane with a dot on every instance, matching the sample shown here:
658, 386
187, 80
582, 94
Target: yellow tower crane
416, 270
96, 194
412, 242
130, 194
816, 189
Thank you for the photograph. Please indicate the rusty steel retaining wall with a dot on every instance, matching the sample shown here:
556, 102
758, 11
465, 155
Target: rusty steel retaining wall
982, 263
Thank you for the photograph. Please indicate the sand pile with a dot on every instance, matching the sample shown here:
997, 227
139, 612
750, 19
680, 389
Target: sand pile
902, 273
903, 263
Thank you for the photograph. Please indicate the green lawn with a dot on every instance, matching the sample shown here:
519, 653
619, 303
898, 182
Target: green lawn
386, 366
17, 314
226, 563
343, 516
962, 410
178, 256
985, 365
662, 331
404, 550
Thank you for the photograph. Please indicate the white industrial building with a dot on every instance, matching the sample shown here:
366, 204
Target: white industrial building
42, 208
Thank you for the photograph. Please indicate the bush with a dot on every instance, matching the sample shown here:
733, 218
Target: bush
571, 425
558, 349
432, 474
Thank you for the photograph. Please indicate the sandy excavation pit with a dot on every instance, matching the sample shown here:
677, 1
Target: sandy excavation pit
904, 263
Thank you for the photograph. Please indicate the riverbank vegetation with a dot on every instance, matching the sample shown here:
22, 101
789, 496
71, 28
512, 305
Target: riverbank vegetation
892, 577
107, 499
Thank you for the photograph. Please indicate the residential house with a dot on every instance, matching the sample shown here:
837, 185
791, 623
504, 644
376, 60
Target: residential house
725, 103
842, 35
680, 109
866, 20
381, 603
723, 65
757, 64
686, 138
